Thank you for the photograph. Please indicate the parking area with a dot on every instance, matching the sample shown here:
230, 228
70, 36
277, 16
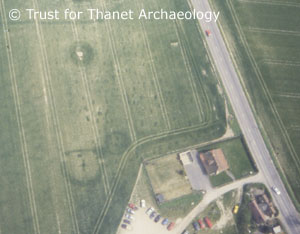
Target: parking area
196, 173
142, 223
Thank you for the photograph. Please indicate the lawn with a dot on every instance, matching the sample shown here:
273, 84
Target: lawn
74, 132
263, 38
167, 177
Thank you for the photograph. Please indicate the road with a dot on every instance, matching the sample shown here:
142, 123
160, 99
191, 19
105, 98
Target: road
245, 117
213, 195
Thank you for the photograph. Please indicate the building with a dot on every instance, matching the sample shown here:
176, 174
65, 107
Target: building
186, 157
257, 214
277, 229
214, 161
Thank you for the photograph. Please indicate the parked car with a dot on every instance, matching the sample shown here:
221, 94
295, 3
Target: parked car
157, 218
152, 215
276, 190
185, 232
128, 216
130, 211
165, 222
201, 224
196, 226
171, 226
150, 210
143, 203
235, 209
127, 221
208, 222
132, 206
124, 226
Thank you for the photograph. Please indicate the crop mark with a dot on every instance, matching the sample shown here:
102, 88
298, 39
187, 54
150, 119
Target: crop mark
274, 31
48, 85
119, 77
20, 124
263, 85
176, 25
273, 3
91, 108
155, 77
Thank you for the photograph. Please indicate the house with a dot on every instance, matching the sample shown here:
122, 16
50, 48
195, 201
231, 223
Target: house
214, 161
257, 214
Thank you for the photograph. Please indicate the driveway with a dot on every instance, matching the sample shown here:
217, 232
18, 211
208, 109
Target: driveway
196, 174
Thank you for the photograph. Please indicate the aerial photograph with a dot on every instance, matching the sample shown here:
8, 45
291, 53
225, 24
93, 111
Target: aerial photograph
149, 116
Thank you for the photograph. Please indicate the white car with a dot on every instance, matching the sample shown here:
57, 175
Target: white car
276, 190
128, 216
130, 211
150, 210
143, 203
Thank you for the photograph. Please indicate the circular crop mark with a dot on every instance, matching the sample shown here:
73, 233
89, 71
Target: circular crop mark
82, 53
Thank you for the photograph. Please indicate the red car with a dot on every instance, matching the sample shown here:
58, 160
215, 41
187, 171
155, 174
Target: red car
207, 32
171, 226
132, 206
208, 222
201, 224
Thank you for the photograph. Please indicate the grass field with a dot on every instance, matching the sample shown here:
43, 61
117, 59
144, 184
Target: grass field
167, 177
74, 133
263, 37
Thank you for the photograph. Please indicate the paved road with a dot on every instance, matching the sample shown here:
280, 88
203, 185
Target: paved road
213, 195
243, 112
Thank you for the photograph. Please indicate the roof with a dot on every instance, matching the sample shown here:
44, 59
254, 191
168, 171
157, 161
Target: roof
214, 161
186, 157
277, 229
257, 214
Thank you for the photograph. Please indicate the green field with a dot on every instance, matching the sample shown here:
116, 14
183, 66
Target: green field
263, 37
74, 132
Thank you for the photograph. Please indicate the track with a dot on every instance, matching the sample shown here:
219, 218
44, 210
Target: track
288, 214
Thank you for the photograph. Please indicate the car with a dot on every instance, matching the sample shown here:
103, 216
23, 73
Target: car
130, 211
150, 210
128, 216
276, 190
124, 226
132, 206
201, 224
157, 218
171, 226
185, 232
165, 221
235, 209
207, 32
152, 215
127, 221
196, 226
143, 203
